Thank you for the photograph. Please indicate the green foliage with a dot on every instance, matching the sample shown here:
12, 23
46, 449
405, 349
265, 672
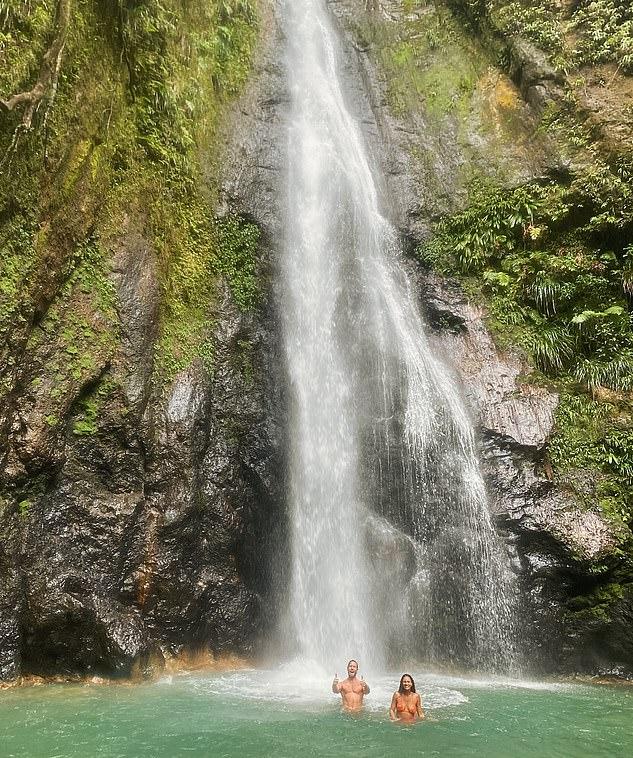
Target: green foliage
496, 223
552, 347
24, 27
90, 407
233, 43
586, 32
23, 507
612, 372
605, 32
597, 436
539, 22
616, 453
562, 292
176, 81
237, 242
428, 60
585, 434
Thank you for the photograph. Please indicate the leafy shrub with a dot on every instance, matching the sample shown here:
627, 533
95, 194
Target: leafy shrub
564, 288
539, 23
605, 31
602, 29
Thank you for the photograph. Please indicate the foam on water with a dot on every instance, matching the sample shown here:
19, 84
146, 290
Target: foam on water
306, 686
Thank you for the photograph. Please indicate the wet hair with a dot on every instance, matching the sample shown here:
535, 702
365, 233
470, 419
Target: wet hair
352, 660
401, 688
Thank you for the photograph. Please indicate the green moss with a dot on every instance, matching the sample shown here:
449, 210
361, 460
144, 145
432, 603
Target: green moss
23, 507
227, 247
429, 63
598, 599
597, 605
16, 260
49, 197
89, 407
82, 321
237, 244
180, 91
142, 90
24, 28
244, 361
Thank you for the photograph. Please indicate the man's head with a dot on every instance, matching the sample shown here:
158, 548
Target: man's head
352, 668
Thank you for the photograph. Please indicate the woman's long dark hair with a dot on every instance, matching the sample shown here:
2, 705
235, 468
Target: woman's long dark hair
401, 688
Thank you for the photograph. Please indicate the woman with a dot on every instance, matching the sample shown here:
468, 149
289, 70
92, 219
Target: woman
405, 703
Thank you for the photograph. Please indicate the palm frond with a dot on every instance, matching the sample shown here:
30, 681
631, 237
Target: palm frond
544, 291
615, 374
552, 347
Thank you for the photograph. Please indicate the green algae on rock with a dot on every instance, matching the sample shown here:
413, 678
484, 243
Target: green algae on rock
121, 336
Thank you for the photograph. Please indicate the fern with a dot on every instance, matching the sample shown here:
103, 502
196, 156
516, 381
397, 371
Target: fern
615, 374
552, 347
544, 291
627, 272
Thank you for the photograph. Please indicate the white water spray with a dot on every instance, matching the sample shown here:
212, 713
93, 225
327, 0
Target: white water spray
393, 552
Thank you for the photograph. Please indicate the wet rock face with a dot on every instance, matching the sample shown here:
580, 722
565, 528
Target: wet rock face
142, 539
157, 532
153, 532
150, 528
556, 548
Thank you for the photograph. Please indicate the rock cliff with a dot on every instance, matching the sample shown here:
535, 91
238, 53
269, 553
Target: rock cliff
142, 424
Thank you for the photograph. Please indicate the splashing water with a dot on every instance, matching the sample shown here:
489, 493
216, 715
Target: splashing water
394, 555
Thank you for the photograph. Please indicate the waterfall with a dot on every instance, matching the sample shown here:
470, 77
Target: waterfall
394, 555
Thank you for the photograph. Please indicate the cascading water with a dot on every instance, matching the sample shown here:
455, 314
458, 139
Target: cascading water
393, 552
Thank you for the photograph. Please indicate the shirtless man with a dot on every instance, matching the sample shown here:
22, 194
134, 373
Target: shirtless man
352, 690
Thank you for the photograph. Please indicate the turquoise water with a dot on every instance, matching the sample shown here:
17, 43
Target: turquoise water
252, 714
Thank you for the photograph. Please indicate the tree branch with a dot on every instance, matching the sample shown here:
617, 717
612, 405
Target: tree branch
49, 70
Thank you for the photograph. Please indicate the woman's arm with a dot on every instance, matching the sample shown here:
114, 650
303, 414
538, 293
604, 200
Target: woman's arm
419, 708
393, 715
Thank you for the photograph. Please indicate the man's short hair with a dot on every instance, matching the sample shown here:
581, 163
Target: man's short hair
352, 660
